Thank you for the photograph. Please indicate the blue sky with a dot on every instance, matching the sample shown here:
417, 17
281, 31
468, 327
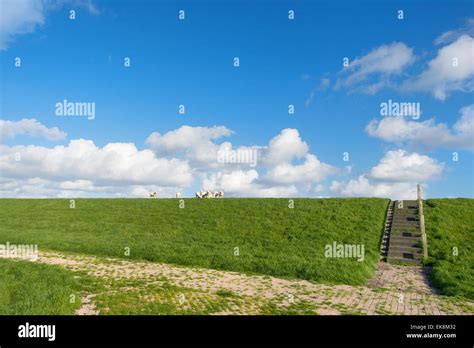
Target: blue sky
282, 62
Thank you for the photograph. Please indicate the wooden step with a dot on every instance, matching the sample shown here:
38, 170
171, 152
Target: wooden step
405, 218
405, 234
397, 259
409, 242
404, 255
397, 248
413, 229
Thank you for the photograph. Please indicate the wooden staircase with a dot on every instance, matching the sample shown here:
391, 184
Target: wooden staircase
404, 239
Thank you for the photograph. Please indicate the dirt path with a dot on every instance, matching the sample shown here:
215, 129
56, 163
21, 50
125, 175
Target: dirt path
392, 290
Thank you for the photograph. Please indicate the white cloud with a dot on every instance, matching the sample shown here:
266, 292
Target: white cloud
86, 4
245, 184
427, 133
81, 185
323, 85
404, 167
453, 35
18, 17
395, 177
283, 176
442, 75
115, 163
374, 71
196, 143
30, 127
176, 161
235, 181
311, 170
44, 188
284, 148
318, 188
451, 70
363, 187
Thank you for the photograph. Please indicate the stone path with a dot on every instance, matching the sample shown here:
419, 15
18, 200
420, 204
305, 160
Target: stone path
392, 290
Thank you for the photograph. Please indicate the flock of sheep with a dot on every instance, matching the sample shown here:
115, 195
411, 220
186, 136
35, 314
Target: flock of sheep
210, 194
200, 194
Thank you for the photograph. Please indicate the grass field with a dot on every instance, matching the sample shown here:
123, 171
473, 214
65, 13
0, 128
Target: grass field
28, 288
450, 224
271, 238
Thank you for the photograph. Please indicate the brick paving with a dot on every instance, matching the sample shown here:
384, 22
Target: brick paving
392, 290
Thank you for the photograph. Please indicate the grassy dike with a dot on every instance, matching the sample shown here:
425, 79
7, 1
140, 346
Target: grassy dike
255, 236
450, 232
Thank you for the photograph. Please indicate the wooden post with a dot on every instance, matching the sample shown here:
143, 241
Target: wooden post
422, 221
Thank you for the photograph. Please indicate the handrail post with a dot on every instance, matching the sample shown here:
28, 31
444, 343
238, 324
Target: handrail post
422, 221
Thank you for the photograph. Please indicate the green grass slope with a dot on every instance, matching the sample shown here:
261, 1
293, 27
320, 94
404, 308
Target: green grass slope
449, 225
271, 238
28, 288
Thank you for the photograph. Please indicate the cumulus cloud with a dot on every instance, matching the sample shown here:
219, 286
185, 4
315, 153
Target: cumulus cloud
174, 161
372, 72
196, 143
245, 184
401, 166
286, 159
18, 17
30, 127
395, 176
44, 188
286, 164
284, 148
82, 162
451, 70
235, 181
363, 187
311, 170
427, 133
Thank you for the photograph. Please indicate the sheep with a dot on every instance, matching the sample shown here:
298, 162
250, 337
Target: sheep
210, 194
153, 194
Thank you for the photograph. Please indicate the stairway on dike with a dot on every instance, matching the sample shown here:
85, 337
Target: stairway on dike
404, 240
